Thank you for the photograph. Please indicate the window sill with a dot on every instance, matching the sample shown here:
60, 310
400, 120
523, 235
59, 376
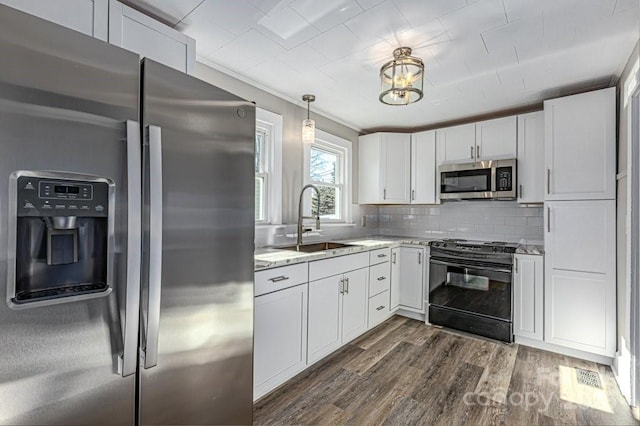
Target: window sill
268, 226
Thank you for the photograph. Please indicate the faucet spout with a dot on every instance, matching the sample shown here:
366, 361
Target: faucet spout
300, 216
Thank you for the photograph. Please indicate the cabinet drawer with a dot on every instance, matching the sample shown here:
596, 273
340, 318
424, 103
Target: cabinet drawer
379, 256
379, 278
337, 265
378, 308
278, 278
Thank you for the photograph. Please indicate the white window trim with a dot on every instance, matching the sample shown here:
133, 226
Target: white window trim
274, 123
339, 144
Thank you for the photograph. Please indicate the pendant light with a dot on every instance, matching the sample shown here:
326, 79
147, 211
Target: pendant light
308, 125
401, 79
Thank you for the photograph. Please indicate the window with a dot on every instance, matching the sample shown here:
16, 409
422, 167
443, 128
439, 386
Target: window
268, 168
327, 167
262, 175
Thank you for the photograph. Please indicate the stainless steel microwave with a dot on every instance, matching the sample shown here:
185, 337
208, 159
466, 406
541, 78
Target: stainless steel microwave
492, 179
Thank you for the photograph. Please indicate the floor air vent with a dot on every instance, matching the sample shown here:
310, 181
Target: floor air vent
589, 378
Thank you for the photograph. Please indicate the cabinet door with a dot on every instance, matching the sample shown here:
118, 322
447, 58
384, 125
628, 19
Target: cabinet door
354, 304
411, 285
580, 146
580, 235
397, 175
395, 278
423, 167
496, 138
280, 337
580, 311
528, 300
90, 17
370, 169
325, 317
456, 143
531, 174
580, 275
141, 34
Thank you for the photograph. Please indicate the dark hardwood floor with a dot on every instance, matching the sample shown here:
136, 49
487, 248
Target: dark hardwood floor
406, 373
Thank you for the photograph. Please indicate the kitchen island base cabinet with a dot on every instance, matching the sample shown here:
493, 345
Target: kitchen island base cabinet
280, 337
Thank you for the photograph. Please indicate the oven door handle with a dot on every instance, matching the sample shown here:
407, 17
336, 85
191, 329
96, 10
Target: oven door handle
461, 265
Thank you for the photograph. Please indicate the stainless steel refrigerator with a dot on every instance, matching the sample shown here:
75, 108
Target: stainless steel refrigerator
126, 236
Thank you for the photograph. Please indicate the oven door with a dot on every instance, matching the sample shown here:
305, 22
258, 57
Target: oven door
465, 182
481, 289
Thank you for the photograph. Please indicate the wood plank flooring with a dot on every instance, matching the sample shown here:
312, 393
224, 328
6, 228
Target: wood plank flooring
405, 373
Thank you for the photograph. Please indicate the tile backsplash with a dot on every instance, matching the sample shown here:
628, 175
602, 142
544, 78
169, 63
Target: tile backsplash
477, 220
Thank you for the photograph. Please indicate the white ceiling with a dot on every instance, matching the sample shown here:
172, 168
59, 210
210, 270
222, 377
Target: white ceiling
480, 55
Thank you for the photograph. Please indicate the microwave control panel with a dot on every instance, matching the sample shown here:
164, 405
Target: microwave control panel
504, 178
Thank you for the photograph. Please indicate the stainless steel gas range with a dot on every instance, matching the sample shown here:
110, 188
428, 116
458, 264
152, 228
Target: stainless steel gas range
470, 287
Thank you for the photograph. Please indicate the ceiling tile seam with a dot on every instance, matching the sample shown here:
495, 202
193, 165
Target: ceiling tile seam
504, 10
615, 4
304, 19
189, 13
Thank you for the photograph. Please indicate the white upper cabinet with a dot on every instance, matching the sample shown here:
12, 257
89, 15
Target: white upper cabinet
384, 168
423, 168
89, 17
456, 144
580, 148
149, 38
496, 139
531, 157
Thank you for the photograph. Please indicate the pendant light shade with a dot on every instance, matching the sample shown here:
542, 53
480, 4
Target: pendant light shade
308, 125
401, 79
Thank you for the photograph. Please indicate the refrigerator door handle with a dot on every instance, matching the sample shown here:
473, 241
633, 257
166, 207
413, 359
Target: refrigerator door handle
155, 246
129, 357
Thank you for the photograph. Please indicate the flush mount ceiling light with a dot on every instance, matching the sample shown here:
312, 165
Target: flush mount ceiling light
401, 78
308, 125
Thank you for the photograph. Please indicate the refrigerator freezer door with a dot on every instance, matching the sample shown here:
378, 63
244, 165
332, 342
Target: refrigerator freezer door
203, 364
64, 102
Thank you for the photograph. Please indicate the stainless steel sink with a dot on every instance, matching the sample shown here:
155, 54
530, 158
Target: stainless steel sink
314, 247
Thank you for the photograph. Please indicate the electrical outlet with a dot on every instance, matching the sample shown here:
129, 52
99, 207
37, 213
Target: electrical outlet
363, 221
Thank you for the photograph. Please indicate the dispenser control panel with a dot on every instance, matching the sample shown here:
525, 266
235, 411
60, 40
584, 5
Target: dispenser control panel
61, 197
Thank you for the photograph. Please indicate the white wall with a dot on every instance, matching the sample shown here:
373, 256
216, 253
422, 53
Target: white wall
292, 145
623, 239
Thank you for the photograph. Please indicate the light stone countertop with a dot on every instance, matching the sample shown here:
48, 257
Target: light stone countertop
530, 249
266, 258
273, 257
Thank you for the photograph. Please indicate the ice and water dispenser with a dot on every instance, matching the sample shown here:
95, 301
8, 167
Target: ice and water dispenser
59, 236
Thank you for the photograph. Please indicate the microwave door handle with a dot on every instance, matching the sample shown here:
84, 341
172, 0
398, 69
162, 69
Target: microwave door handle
155, 247
129, 357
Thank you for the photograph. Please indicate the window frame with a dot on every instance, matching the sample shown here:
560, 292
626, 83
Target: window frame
342, 148
271, 123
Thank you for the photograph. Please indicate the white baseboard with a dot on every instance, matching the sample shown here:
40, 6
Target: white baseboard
601, 359
410, 314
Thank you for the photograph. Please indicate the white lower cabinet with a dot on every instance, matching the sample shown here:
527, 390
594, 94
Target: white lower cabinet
528, 287
580, 275
354, 304
407, 278
378, 308
280, 337
337, 304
